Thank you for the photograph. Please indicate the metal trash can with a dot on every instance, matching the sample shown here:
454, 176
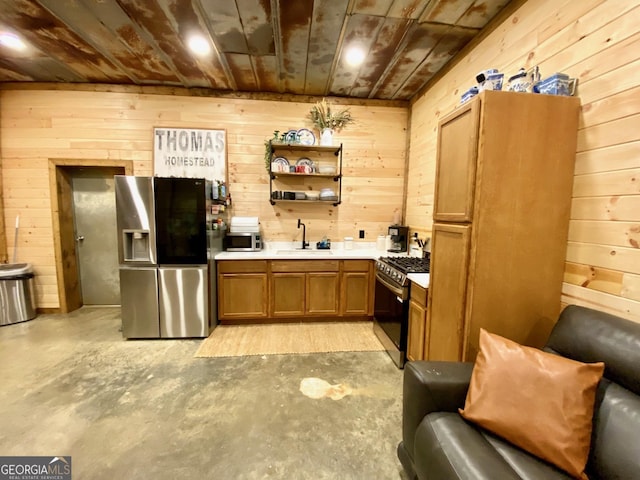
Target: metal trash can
17, 299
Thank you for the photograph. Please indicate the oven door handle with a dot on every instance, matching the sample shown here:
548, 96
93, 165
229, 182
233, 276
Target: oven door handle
401, 293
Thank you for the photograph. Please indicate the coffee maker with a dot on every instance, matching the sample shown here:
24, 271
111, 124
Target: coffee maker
399, 236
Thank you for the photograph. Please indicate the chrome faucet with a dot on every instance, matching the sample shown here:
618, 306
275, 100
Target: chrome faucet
304, 234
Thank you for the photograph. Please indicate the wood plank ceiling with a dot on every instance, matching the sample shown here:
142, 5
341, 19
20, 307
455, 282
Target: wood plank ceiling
283, 46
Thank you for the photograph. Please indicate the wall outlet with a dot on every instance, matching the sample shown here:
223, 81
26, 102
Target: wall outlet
361, 234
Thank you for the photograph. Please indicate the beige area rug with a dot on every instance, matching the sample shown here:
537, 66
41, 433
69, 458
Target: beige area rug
285, 338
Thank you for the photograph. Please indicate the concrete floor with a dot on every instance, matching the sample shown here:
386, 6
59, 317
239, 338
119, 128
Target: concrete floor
148, 409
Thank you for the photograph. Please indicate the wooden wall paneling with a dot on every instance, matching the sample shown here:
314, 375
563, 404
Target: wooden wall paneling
607, 256
588, 33
596, 41
617, 131
615, 182
610, 207
616, 157
111, 123
622, 234
618, 105
614, 304
601, 279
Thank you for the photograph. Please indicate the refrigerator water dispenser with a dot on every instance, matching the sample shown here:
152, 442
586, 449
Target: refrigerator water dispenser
136, 246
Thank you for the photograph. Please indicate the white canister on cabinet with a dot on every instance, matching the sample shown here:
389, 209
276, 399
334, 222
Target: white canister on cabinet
348, 243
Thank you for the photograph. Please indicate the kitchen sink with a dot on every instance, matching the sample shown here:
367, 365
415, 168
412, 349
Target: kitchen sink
305, 252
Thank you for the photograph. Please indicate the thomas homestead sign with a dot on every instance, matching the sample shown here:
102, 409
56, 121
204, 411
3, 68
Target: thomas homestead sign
190, 153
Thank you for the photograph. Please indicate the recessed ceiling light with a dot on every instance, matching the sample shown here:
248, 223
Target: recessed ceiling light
11, 40
354, 56
199, 45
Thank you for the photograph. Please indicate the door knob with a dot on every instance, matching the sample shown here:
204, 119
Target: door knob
79, 238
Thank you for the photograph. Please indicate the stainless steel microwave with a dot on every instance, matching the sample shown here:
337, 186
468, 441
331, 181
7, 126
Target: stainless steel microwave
242, 242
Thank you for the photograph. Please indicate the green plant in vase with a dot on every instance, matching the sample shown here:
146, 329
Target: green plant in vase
328, 120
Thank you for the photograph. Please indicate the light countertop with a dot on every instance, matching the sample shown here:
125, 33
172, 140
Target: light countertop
289, 254
421, 279
292, 251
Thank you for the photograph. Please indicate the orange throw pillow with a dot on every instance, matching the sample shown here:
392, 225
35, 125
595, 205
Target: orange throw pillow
541, 402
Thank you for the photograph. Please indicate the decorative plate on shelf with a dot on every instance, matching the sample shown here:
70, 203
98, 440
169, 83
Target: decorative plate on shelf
306, 136
281, 163
305, 161
291, 136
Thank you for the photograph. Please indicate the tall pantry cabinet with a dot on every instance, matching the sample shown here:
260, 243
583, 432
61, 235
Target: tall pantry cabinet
504, 177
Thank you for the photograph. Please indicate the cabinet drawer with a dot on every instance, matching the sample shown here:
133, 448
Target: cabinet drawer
356, 265
305, 265
419, 294
242, 266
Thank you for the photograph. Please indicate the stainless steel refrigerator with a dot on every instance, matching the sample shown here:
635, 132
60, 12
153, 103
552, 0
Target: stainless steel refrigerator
162, 248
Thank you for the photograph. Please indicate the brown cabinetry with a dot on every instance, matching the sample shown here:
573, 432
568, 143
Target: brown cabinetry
288, 294
322, 293
277, 290
304, 287
417, 324
504, 177
450, 287
357, 288
242, 289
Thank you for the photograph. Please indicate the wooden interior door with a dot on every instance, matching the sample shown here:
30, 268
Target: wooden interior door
456, 164
448, 291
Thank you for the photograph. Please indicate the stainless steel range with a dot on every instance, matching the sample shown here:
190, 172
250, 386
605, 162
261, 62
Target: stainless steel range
391, 311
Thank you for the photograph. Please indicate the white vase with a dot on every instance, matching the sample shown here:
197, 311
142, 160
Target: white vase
326, 137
